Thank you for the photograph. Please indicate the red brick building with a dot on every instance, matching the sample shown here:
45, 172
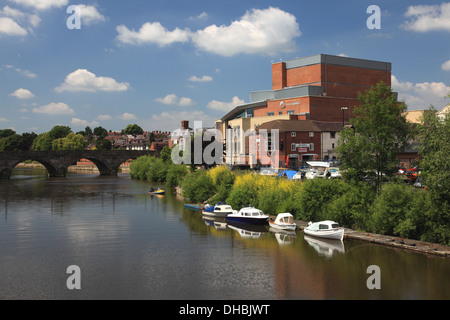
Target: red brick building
322, 88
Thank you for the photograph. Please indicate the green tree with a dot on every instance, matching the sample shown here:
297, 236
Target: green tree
380, 132
133, 129
12, 142
100, 133
166, 154
42, 142
104, 144
58, 132
6, 133
71, 142
434, 148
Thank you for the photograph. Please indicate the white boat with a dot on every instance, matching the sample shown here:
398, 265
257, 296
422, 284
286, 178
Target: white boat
248, 215
219, 210
283, 221
325, 229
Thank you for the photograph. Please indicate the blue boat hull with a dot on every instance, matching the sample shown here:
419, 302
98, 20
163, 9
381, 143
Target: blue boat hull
258, 221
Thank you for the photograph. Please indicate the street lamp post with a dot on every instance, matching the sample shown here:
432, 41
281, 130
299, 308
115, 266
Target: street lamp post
343, 108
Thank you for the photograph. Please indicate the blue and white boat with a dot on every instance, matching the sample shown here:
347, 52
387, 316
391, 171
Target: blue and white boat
248, 215
219, 210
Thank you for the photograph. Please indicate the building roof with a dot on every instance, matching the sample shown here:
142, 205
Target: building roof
444, 110
241, 108
301, 125
338, 60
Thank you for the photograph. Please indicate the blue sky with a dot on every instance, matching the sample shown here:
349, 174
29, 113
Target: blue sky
158, 62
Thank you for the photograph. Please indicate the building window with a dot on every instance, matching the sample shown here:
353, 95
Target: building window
311, 147
333, 135
311, 134
332, 146
290, 112
293, 134
270, 113
293, 146
280, 112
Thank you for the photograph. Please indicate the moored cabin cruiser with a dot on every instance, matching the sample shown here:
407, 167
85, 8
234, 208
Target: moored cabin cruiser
283, 221
248, 215
219, 210
325, 229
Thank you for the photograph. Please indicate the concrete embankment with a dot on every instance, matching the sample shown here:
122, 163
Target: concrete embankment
393, 241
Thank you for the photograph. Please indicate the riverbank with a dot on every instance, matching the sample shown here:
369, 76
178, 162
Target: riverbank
385, 240
393, 241
79, 168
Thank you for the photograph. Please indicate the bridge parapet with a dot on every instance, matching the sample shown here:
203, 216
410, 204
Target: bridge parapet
57, 162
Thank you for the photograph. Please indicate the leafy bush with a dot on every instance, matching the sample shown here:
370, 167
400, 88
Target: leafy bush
139, 167
352, 208
176, 174
157, 170
223, 179
198, 186
391, 209
316, 196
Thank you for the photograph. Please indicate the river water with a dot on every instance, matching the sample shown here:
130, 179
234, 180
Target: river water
129, 245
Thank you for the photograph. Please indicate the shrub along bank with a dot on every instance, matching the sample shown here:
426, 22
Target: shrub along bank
399, 209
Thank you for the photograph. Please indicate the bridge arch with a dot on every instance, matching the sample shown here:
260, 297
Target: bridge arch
51, 169
57, 162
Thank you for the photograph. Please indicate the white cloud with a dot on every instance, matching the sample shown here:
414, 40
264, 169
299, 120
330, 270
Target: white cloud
202, 79
54, 109
170, 121
201, 16
428, 18
3, 119
83, 80
151, 32
42, 4
267, 31
420, 95
22, 94
127, 116
25, 73
104, 117
172, 99
446, 65
9, 27
83, 123
225, 106
90, 15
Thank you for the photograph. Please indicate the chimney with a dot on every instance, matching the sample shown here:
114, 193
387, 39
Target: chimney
184, 124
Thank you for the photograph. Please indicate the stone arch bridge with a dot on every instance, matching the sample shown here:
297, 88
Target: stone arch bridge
57, 162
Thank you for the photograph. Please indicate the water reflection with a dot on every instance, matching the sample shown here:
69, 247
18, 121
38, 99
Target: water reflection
284, 237
325, 247
134, 246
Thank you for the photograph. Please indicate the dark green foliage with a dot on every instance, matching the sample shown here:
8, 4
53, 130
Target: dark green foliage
176, 174
380, 132
198, 186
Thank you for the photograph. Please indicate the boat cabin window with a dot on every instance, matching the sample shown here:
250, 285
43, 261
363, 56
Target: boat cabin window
323, 226
335, 225
218, 209
255, 214
287, 220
